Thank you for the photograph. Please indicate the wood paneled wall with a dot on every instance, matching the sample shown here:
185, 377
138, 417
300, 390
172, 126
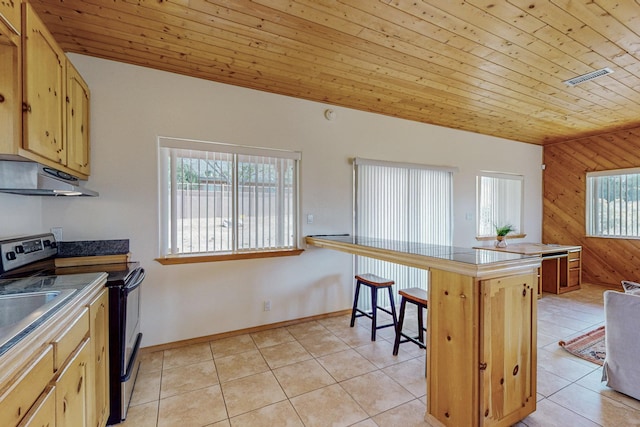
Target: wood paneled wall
605, 261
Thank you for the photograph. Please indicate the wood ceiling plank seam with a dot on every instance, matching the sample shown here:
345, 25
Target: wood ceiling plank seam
554, 89
231, 60
498, 54
591, 14
509, 13
484, 95
609, 106
469, 76
522, 72
574, 29
495, 9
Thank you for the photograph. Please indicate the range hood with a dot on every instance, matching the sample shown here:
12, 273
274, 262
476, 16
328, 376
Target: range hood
33, 179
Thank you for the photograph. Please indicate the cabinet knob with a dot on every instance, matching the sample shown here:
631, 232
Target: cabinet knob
1, 97
26, 108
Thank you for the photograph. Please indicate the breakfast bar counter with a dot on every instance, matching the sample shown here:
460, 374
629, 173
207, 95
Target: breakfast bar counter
481, 327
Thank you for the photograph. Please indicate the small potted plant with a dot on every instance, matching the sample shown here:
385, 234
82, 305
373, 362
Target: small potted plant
501, 235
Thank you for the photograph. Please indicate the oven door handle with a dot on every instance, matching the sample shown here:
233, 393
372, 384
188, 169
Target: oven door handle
137, 281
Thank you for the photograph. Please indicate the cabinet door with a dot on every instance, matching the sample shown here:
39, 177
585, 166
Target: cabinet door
99, 329
44, 85
43, 412
77, 121
10, 90
508, 349
72, 399
10, 13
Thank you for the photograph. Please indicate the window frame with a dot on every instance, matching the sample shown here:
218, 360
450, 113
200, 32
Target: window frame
590, 210
167, 249
519, 228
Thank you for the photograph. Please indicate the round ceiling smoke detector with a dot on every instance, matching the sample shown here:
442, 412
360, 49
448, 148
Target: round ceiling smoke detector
329, 114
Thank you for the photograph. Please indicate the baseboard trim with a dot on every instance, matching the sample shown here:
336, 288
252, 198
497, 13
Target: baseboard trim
254, 329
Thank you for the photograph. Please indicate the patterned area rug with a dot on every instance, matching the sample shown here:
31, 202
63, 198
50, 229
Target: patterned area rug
589, 346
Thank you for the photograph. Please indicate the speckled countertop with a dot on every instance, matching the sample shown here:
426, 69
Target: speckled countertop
83, 248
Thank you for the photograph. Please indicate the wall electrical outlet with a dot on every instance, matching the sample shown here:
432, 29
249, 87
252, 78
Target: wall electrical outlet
267, 305
57, 233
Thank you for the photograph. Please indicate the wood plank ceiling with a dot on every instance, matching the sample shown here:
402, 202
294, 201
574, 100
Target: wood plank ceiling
493, 67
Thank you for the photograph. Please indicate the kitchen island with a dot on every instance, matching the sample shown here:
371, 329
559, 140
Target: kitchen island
481, 327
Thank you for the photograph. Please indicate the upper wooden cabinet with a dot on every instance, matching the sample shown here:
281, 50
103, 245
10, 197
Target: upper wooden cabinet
44, 66
77, 125
10, 13
44, 102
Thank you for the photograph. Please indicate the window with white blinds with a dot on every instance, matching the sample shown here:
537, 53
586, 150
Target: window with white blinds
400, 201
221, 198
499, 203
612, 205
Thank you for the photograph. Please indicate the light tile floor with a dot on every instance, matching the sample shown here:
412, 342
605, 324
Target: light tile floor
324, 373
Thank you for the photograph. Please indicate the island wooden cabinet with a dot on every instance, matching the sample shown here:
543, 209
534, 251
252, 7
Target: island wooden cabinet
494, 386
44, 91
481, 339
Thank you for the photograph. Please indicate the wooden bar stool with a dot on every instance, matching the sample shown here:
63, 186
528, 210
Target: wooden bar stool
418, 297
374, 283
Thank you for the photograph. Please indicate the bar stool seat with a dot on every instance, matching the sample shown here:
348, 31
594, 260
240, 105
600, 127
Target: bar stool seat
418, 297
374, 283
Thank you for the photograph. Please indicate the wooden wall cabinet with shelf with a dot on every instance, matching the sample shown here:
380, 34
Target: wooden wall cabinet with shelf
44, 100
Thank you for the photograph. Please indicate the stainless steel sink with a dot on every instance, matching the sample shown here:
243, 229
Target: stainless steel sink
20, 311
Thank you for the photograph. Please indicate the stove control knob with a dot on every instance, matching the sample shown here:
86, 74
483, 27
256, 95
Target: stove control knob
46, 243
19, 249
11, 255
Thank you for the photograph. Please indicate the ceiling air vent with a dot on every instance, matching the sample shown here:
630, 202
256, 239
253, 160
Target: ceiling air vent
587, 77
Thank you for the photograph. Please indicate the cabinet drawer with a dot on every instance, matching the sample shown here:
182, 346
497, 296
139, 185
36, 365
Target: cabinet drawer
574, 277
574, 256
70, 338
28, 385
43, 413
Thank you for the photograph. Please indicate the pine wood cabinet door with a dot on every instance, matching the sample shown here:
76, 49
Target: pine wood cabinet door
43, 412
44, 87
77, 100
10, 89
72, 398
10, 13
508, 349
99, 329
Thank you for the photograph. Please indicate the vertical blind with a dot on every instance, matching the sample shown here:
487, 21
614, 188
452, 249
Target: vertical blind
612, 203
500, 202
219, 198
400, 201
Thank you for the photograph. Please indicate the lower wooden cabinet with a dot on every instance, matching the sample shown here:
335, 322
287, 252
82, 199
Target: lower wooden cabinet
43, 412
27, 386
99, 327
482, 349
71, 390
65, 383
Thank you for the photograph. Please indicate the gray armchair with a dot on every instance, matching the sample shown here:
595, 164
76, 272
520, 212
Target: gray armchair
621, 367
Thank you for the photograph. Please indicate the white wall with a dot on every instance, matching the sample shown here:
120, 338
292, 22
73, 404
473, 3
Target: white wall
132, 106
